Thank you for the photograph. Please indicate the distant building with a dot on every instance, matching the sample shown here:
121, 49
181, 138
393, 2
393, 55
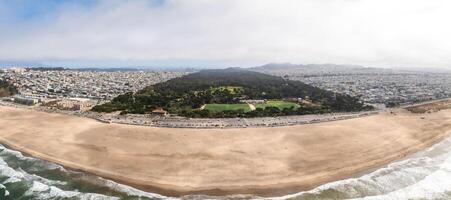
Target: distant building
18, 70
82, 106
253, 101
160, 112
73, 104
25, 100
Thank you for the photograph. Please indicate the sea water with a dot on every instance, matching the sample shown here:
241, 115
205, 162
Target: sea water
23, 178
424, 175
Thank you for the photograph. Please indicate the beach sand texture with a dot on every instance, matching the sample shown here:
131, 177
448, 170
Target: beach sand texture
261, 161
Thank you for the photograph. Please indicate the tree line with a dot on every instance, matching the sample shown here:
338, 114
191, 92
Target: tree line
7, 89
185, 95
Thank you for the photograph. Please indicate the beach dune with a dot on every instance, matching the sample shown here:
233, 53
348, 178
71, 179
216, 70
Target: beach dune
259, 161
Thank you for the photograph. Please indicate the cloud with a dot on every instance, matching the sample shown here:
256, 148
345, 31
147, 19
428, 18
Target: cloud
403, 33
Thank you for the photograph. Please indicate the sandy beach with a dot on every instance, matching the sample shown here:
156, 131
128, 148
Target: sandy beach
261, 161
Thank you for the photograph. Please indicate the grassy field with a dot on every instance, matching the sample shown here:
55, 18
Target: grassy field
279, 104
222, 107
231, 89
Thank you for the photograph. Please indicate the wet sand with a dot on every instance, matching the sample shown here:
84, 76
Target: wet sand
261, 161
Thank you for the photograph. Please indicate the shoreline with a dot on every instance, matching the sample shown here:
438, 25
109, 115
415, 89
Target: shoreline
267, 191
284, 183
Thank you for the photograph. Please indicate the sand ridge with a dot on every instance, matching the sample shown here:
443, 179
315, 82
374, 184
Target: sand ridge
261, 161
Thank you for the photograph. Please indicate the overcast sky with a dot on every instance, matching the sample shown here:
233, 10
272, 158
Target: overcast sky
378, 33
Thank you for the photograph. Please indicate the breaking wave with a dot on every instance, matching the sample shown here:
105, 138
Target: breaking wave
23, 177
424, 175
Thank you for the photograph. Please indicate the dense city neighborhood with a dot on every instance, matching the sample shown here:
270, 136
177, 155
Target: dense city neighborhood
75, 86
376, 86
76, 92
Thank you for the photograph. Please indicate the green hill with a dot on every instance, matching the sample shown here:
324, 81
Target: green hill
186, 95
6, 89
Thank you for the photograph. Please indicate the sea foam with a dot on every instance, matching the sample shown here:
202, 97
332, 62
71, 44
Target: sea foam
424, 175
31, 172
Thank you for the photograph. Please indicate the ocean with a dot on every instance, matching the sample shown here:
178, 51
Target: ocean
423, 175
24, 178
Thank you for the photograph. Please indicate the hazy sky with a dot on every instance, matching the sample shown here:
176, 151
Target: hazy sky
386, 33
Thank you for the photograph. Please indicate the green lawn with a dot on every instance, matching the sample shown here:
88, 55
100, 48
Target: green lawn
231, 89
279, 104
222, 107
